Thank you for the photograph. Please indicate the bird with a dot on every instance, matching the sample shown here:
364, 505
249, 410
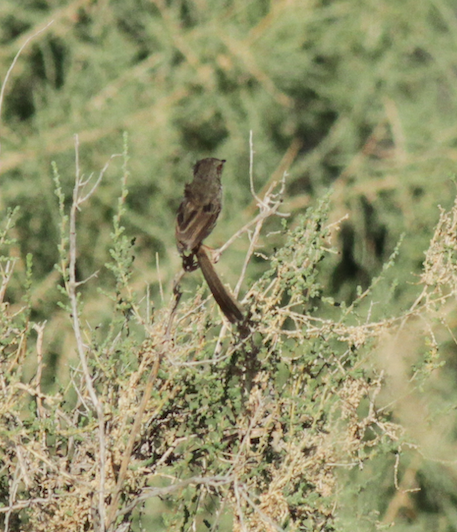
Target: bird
195, 220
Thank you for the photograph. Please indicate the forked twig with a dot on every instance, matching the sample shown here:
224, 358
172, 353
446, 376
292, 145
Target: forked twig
71, 287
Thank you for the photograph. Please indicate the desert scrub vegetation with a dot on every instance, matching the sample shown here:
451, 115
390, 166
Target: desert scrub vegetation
334, 408
256, 429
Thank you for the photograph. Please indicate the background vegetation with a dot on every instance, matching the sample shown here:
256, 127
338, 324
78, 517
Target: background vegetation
337, 410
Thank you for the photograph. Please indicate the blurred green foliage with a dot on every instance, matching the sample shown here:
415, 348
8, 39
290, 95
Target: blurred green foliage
355, 94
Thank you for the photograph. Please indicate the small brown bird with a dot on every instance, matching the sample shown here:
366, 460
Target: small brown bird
196, 218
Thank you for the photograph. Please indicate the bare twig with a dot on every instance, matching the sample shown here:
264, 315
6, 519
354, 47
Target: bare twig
16, 57
251, 169
263, 516
72, 285
12, 497
269, 206
159, 278
6, 274
177, 294
39, 353
20, 505
147, 493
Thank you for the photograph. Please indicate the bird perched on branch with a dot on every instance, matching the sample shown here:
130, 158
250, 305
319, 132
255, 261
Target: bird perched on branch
196, 218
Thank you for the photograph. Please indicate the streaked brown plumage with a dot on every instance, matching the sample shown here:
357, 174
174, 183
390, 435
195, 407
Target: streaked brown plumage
197, 215
200, 208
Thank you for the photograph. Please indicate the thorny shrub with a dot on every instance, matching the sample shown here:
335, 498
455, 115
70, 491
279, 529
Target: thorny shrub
233, 429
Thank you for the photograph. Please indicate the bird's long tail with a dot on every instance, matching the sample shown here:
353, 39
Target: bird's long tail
224, 299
